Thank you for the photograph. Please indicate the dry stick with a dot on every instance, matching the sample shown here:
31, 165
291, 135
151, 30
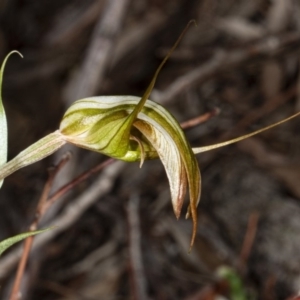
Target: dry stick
223, 60
15, 295
200, 119
99, 51
248, 240
67, 187
70, 214
138, 278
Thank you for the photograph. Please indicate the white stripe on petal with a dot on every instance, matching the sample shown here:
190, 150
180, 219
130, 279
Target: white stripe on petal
171, 159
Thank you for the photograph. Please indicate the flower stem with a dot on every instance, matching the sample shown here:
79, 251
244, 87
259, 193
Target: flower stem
37, 151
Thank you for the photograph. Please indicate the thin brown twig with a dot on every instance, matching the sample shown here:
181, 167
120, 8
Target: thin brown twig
15, 294
67, 187
138, 277
200, 119
248, 240
41, 208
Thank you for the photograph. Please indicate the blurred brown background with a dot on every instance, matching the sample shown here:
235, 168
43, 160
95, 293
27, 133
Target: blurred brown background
124, 241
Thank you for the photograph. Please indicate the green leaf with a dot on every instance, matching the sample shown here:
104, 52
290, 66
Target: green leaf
4, 245
237, 289
3, 123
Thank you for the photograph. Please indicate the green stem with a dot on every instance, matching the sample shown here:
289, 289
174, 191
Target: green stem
37, 151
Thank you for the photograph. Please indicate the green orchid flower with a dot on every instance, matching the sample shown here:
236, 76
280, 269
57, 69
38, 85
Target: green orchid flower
120, 127
112, 126
131, 129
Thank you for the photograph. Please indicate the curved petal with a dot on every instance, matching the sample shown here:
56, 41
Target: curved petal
3, 123
157, 115
100, 124
171, 159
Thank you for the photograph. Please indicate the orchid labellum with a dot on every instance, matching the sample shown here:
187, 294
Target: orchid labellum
131, 129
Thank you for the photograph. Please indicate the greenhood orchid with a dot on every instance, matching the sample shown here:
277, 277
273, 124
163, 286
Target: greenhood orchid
131, 129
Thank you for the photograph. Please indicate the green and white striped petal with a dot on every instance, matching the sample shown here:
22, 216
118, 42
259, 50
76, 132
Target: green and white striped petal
101, 124
171, 159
